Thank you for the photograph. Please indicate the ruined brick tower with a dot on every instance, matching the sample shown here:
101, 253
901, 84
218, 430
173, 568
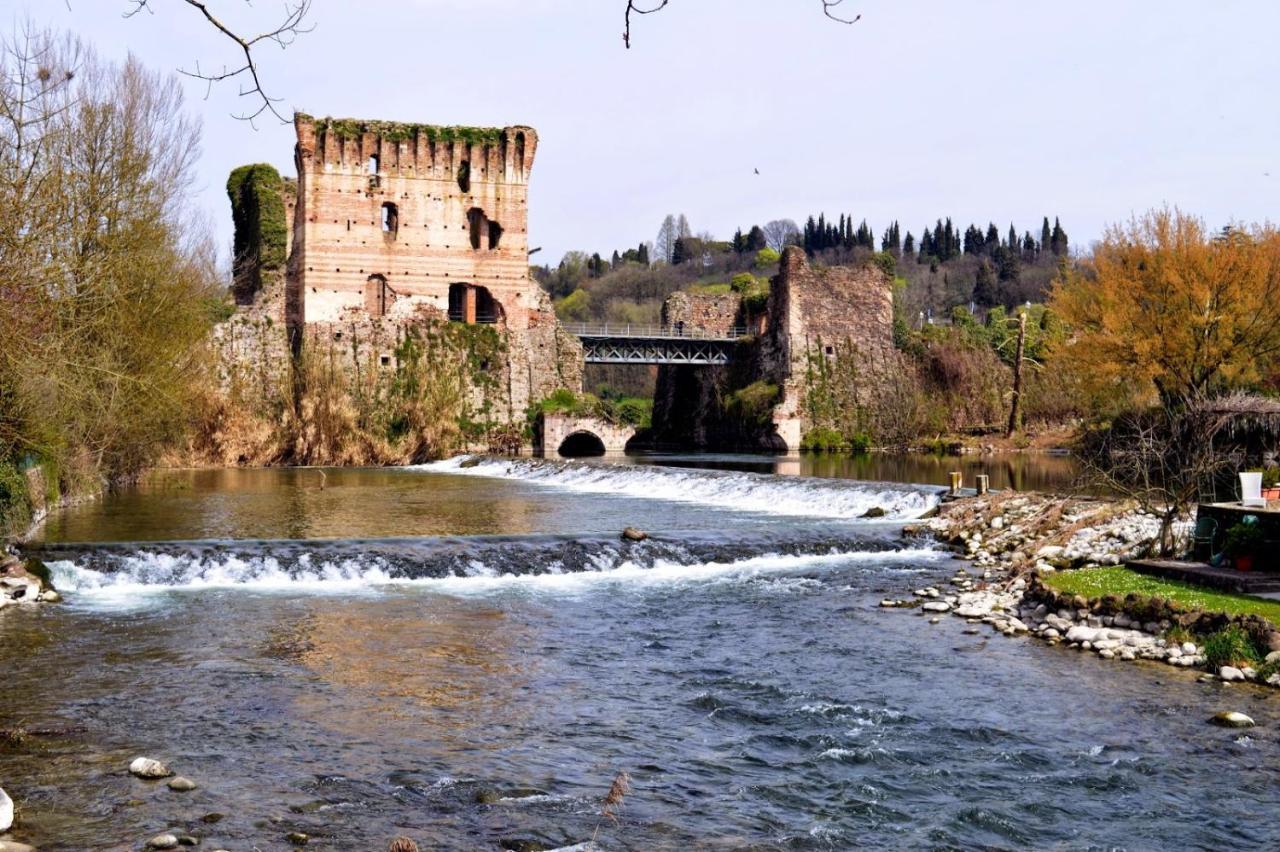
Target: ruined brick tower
399, 224
393, 217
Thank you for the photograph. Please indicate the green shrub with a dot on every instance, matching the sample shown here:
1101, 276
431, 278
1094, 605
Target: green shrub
633, 411
754, 291
1244, 540
575, 307
766, 257
1230, 647
822, 440
712, 289
860, 442
887, 263
15, 502
754, 403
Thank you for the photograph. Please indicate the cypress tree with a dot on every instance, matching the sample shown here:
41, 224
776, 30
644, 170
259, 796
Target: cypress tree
756, 239
909, 244
984, 285
644, 254
680, 253
1058, 241
1046, 236
992, 241
739, 242
617, 260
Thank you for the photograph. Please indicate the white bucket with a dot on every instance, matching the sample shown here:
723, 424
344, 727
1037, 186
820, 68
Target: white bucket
1251, 489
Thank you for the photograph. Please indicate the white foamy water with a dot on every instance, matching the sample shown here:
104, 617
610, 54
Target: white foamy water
748, 492
141, 576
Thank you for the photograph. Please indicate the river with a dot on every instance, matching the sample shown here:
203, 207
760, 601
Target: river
467, 654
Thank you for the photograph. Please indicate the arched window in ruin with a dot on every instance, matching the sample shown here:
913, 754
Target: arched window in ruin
378, 296
520, 152
484, 233
374, 163
390, 219
458, 299
488, 309
464, 176
471, 304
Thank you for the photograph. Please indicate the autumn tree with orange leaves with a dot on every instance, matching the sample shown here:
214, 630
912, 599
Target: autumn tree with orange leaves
1169, 312
1166, 316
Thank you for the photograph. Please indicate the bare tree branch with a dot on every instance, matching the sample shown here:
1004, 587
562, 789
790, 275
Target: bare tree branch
828, 9
283, 35
829, 5
631, 7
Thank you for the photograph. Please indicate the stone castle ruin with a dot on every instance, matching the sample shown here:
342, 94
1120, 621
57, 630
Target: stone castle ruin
391, 231
389, 225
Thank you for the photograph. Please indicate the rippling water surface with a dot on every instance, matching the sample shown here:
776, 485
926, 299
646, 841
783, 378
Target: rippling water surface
468, 654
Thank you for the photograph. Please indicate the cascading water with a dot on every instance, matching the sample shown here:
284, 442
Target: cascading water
746, 492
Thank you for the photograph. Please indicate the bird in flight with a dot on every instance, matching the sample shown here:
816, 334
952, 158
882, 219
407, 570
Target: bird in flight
757, 171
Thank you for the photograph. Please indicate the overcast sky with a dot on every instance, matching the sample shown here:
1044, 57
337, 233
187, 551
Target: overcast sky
1003, 110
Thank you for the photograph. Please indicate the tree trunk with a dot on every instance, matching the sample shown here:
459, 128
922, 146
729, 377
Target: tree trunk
1015, 407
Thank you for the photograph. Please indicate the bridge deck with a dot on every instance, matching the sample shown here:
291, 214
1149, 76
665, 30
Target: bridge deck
635, 344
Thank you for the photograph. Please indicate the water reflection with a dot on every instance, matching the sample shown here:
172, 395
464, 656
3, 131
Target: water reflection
1019, 471
443, 671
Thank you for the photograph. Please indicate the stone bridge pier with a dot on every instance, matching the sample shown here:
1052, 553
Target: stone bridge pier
566, 435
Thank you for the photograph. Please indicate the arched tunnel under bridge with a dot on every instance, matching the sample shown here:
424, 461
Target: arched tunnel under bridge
580, 437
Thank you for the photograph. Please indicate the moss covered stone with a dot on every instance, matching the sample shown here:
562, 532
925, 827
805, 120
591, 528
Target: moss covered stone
395, 131
257, 192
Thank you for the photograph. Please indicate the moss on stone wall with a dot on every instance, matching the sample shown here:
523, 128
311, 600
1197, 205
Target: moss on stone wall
395, 131
257, 193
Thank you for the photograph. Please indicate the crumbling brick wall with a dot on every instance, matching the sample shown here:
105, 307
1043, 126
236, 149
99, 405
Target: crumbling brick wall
812, 313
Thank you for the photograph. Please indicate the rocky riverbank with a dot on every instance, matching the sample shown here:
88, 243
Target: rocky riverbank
21, 586
1016, 540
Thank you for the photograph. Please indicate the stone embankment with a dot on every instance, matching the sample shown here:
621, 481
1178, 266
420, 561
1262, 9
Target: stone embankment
1015, 540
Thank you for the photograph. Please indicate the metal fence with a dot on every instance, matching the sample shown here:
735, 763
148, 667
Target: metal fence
679, 331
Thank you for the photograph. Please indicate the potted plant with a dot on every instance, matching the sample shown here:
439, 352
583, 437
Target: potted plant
1271, 483
1244, 541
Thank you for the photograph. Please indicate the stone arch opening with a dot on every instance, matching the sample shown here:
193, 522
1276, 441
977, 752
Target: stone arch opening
520, 152
390, 219
471, 304
582, 445
375, 162
464, 176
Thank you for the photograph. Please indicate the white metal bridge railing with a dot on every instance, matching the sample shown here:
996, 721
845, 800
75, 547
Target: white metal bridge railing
678, 331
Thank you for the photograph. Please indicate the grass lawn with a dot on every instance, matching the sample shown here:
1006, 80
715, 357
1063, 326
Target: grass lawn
1096, 582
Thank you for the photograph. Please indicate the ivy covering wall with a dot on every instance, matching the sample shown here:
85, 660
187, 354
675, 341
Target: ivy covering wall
257, 194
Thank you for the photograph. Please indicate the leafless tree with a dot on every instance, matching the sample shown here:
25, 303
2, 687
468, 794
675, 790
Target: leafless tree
1165, 459
294, 24
781, 233
246, 68
638, 7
